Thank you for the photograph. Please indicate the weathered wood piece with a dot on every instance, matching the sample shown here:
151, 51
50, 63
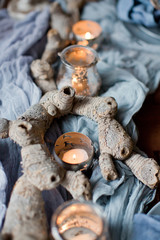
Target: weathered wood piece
28, 131
43, 75
40, 167
107, 167
25, 218
4, 128
62, 100
77, 184
113, 139
54, 44
61, 21
95, 107
145, 169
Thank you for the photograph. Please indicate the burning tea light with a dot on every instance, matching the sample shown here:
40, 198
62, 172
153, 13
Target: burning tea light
87, 33
76, 220
74, 151
74, 156
79, 70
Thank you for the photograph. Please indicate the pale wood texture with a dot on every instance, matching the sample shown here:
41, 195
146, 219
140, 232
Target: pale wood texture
43, 75
145, 169
78, 185
25, 218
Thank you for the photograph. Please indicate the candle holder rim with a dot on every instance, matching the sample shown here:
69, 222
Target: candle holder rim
76, 166
94, 206
69, 65
85, 20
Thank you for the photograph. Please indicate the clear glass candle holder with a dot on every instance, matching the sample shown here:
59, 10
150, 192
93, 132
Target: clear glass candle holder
74, 151
87, 33
76, 220
78, 69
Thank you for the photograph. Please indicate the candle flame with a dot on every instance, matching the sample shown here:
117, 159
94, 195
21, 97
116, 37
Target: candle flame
74, 156
63, 228
88, 35
74, 79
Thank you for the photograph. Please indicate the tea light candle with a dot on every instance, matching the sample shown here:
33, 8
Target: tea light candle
74, 156
79, 234
75, 220
74, 151
87, 33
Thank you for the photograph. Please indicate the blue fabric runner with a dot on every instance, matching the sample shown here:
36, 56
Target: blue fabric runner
129, 69
138, 11
146, 227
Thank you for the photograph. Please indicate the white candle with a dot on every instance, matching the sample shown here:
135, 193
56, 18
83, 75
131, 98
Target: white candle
74, 156
79, 233
85, 31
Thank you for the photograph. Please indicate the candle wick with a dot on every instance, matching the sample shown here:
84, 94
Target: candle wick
74, 156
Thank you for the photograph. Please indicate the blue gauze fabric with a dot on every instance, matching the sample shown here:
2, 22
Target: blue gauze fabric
129, 69
146, 227
139, 12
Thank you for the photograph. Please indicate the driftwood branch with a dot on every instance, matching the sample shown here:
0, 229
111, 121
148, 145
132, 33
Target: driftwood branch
78, 185
145, 169
4, 128
25, 218
107, 167
113, 139
43, 75
54, 44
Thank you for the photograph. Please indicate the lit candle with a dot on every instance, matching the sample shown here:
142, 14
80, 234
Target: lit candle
79, 233
73, 151
80, 81
74, 156
75, 220
87, 33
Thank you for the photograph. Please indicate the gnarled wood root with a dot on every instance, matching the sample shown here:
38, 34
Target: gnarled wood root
28, 131
145, 169
25, 218
61, 21
77, 184
107, 167
43, 75
62, 100
113, 139
95, 107
54, 44
40, 167
4, 128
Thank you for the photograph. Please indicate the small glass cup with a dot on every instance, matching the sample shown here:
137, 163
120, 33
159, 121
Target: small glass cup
74, 151
75, 220
87, 33
78, 70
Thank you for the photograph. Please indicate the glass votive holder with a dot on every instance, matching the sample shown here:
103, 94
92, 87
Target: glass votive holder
74, 151
76, 220
78, 70
87, 33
